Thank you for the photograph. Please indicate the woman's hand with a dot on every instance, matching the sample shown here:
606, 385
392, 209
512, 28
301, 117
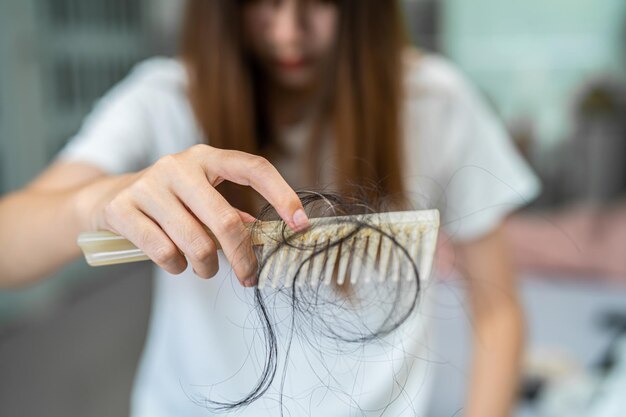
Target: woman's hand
162, 209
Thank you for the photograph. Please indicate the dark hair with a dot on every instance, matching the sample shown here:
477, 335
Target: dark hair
316, 310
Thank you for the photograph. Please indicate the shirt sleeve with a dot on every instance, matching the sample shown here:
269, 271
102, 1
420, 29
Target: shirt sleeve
485, 178
116, 136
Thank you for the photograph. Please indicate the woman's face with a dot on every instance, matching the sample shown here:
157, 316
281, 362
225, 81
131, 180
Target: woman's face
291, 39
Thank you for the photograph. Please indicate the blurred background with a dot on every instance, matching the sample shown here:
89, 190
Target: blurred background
555, 72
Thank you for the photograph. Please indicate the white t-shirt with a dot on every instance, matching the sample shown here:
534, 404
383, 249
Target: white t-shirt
203, 339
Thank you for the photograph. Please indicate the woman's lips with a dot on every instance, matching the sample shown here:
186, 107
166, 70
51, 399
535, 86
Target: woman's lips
291, 64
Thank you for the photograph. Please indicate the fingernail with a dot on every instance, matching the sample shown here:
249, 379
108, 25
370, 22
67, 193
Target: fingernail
300, 220
249, 282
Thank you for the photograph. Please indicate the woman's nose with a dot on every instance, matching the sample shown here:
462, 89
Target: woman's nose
287, 24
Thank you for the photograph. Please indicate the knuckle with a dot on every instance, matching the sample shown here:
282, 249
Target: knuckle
259, 163
199, 149
170, 164
146, 240
114, 210
172, 169
166, 161
243, 260
165, 254
229, 222
141, 189
110, 210
167, 167
202, 250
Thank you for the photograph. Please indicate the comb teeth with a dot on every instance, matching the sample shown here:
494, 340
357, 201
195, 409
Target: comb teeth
279, 261
427, 254
305, 271
264, 273
357, 258
344, 257
365, 253
373, 245
318, 262
316, 255
411, 244
385, 255
331, 261
293, 261
394, 266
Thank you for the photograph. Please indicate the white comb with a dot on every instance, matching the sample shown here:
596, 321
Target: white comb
367, 248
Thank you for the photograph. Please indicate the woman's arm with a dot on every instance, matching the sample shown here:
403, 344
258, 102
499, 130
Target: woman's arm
39, 224
162, 210
498, 324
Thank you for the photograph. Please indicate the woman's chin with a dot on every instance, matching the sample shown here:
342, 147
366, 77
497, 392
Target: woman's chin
295, 79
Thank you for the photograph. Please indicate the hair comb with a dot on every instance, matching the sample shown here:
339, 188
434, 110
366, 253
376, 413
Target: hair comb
371, 245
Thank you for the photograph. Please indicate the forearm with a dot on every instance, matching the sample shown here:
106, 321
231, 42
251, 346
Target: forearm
37, 234
38, 229
498, 324
498, 346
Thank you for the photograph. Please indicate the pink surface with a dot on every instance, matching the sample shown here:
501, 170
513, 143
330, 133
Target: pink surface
577, 242
581, 240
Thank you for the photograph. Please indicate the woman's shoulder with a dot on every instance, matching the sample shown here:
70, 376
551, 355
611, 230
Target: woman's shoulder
158, 73
429, 74
155, 89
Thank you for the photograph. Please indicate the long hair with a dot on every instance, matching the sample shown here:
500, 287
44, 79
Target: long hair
360, 97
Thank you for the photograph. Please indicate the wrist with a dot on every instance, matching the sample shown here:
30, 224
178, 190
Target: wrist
90, 200
83, 202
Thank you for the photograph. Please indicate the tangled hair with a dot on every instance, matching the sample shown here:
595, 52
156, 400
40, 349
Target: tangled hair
335, 317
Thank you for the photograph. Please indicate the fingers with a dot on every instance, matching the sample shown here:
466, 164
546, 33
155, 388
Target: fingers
185, 231
170, 203
258, 173
212, 209
147, 235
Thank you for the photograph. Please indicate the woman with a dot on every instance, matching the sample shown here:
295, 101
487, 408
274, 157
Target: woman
329, 92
